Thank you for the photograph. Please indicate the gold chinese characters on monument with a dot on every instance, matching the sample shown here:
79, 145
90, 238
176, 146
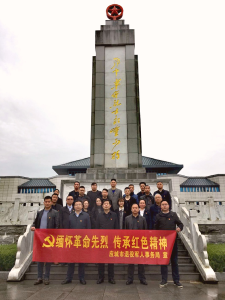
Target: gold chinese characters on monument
115, 110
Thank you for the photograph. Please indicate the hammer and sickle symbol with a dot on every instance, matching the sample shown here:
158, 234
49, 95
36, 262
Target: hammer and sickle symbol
50, 243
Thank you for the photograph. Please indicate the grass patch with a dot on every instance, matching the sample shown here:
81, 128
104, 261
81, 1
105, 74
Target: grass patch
7, 256
216, 254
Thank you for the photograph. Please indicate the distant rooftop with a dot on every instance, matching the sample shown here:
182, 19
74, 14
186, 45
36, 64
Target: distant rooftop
198, 182
38, 182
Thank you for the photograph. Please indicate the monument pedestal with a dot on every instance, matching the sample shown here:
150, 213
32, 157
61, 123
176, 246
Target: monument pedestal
117, 173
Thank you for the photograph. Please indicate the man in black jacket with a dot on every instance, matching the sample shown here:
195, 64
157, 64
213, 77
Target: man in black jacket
128, 201
135, 222
142, 192
75, 192
149, 199
65, 212
55, 205
168, 220
46, 218
77, 220
59, 201
82, 196
164, 193
93, 195
155, 209
106, 220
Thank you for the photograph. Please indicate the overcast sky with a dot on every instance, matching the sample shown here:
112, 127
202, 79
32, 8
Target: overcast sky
46, 50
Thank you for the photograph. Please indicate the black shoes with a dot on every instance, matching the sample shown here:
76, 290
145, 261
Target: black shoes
66, 281
178, 284
144, 282
100, 280
162, 284
82, 281
129, 282
39, 281
112, 281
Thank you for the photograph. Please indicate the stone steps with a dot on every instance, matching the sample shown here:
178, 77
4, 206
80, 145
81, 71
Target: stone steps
187, 269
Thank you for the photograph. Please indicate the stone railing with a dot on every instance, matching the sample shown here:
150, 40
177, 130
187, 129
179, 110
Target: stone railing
193, 240
23, 255
19, 211
209, 210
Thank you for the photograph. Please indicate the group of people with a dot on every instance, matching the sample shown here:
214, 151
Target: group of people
109, 209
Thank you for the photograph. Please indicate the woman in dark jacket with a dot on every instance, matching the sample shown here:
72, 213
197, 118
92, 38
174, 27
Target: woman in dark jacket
97, 209
86, 207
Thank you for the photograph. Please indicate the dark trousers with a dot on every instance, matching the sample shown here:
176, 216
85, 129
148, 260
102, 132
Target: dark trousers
141, 272
101, 271
174, 264
40, 270
70, 271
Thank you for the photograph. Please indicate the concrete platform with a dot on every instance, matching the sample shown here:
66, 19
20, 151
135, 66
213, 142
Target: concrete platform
192, 290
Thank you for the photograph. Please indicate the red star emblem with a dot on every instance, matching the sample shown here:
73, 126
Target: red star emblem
114, 12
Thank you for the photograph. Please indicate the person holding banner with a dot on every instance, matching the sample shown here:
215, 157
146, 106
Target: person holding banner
135, 222
77, 220
168, 220
46, 218
106, 220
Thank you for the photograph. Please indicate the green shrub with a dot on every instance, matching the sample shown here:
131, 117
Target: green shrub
216, 254
7, 256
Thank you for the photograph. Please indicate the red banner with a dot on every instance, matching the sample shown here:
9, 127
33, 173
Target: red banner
152, 247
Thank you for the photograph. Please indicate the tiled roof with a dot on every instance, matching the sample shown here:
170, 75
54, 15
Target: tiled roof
152, 162
37, 182
147, 162
85, 163
198, 181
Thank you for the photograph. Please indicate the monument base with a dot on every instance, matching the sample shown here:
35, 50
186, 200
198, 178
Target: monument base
120, 174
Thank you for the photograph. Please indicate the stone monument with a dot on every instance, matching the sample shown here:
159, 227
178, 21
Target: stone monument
115, 121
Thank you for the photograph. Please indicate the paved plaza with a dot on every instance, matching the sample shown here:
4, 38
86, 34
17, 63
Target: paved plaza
191, 291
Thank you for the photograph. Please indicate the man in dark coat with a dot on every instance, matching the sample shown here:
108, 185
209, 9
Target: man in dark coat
77, 220
128, 201
168, 220
93, 195
82, 196
135, 222
55, 205
164, 193
142, 191
149, 199
106, 220
46, 218
65, 212
155, 209
75, 192
59, 201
